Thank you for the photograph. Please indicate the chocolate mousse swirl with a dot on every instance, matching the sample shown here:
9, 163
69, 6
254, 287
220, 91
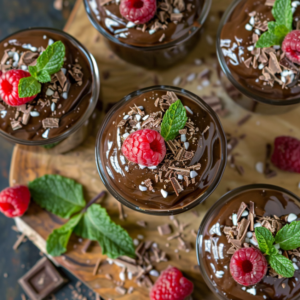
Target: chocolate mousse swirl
265, 72
62, 102
189, 168
173, 20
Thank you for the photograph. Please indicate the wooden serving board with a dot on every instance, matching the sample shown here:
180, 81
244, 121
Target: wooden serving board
119, 79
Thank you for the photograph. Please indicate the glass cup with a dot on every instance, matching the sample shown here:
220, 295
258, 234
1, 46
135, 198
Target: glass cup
159, 56
113, 187
247, 98
208, 220
73, 137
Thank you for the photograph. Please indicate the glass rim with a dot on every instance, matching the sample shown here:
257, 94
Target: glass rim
227, 72
201, 19
93, 100
203, 196
227, 197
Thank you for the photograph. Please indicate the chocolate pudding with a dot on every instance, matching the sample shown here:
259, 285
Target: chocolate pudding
64, 104
264, 205
192, 167
160, 42
265, 74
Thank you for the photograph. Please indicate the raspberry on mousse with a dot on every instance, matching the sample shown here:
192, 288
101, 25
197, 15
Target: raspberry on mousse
145, 147
9, 82
138, 11
248, 266
291, 46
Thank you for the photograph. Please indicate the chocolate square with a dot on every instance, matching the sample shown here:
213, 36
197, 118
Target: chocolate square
41, 280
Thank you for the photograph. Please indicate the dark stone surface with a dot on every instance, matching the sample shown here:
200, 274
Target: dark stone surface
16, 15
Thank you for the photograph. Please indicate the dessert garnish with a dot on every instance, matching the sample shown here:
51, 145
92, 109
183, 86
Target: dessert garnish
14, 201
287, 239
171, 285
283, 15
138, 11
145, 147
272, 49
9, 84
174, 120
64, 197
248, 266
286, 155
48, 63
276, 239
18, 87
291, 46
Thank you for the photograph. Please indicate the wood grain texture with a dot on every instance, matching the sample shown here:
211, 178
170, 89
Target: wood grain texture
119, 79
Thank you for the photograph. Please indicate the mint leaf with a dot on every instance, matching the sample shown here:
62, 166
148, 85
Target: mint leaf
43, 76
281, 31
288, 237
265, 239
282, 12
282, 265
274, 36
58, 240
52, 59
174, 120
28, 87
96, 225
33, 71
59, 195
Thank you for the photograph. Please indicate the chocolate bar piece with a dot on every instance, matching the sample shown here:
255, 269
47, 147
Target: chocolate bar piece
41, 280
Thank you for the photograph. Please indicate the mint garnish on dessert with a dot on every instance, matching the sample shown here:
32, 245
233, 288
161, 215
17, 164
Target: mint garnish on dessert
64, 197
174, 120
287, 238
48, 63
283, 15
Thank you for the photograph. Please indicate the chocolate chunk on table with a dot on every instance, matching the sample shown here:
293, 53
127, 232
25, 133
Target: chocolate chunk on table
41, 280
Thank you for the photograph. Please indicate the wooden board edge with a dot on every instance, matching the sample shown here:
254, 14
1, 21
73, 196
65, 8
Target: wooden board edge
12, 165
72, 15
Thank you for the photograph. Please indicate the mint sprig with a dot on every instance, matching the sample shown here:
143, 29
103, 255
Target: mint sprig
265, 239
96, 225
48, 63
64, 197
58, 240
173, 120
288, 238
282, 265
283, 15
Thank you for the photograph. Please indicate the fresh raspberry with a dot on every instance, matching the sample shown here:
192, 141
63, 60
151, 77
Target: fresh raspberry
138, 11
248, 266
14, 201
286, 155
291, 46
171, 285
145, 147
9, 87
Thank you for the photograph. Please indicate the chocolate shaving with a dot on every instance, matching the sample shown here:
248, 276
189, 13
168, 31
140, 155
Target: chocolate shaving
274, 64
242, 208
244, 120
50, 123
28, 58
15, 125
164, 229
176, 186
248, 62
